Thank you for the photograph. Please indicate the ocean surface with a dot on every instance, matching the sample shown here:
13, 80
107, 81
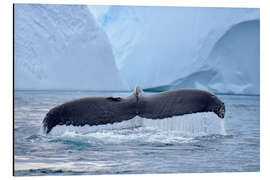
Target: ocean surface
195, 143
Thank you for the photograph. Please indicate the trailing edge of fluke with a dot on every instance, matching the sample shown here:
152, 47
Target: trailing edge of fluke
104, 110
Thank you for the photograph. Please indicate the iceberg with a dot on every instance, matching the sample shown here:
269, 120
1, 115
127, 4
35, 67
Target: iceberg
161, 48
62, 47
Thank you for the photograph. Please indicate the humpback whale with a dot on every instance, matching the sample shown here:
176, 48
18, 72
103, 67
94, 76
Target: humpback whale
103, 110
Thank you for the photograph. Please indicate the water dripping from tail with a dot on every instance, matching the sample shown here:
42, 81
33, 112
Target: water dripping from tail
198, 124
222, 125
63, 130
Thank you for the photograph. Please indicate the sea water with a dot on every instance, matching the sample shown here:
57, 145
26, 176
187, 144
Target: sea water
195, 143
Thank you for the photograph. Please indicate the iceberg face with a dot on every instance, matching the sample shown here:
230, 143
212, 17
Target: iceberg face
239, 44
62, 47
164, 48
123, 26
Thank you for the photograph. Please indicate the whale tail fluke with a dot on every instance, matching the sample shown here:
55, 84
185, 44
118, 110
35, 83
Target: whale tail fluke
107, 110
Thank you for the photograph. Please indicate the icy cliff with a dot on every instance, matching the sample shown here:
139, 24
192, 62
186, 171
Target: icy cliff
62, 47
162, 48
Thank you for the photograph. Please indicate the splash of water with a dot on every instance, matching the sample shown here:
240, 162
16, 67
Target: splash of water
179, 129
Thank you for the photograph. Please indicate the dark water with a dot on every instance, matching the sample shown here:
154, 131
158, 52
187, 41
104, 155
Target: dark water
185, 144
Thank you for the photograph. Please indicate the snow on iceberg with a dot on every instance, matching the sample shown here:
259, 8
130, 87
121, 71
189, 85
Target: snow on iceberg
62, 47
215, 49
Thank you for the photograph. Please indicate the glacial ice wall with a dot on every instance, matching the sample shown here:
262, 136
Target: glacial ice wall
62, 47
161, 48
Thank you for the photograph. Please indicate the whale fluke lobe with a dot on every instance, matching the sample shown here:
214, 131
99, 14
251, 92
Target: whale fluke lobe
180, 102
104, 110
